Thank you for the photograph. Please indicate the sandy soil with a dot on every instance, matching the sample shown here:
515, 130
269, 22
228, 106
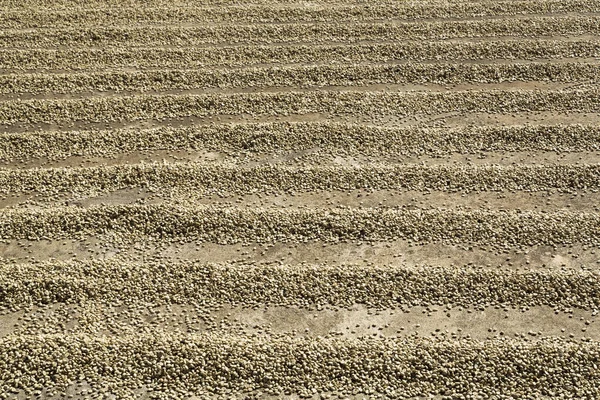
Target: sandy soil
528, 63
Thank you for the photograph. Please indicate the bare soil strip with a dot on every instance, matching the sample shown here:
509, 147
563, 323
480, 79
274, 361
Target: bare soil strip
447, 321
394, 252
585, 200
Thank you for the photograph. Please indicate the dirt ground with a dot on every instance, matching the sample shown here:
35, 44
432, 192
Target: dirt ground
88, 88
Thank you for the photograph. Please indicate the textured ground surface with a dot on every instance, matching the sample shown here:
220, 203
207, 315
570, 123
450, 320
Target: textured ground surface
284, 199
